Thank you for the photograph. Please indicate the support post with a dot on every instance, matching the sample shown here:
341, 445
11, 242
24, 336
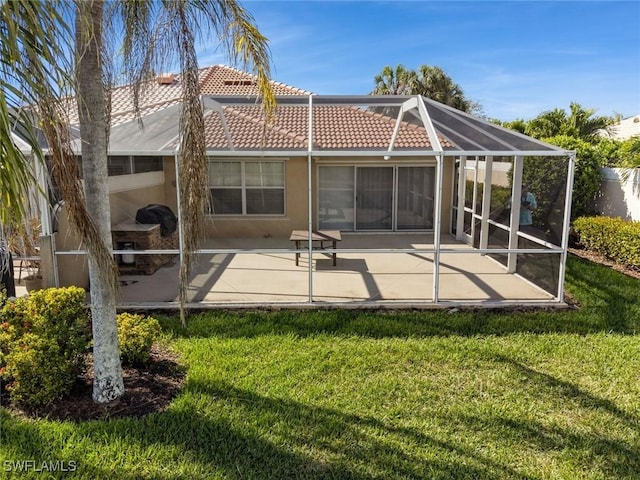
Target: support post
566, 225
460, 199
437, 227
486, 202
179, 204
514, 223
310, 198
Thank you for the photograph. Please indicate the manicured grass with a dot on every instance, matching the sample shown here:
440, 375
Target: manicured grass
361, 395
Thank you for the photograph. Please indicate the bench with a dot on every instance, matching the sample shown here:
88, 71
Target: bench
321, 236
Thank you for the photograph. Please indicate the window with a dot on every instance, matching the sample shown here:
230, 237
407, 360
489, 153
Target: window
118, 165
126, 165
147, 164
247, 187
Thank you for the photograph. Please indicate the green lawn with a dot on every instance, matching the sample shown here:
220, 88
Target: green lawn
362, 395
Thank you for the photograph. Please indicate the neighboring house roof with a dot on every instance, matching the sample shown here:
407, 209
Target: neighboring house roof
234, 121
627, 128
223, 80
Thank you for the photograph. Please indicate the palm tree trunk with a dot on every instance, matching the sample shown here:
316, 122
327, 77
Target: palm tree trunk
108, 383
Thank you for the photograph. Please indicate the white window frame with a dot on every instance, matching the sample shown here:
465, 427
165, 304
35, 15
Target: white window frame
243, 187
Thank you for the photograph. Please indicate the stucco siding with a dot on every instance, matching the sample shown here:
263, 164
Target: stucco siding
125, 204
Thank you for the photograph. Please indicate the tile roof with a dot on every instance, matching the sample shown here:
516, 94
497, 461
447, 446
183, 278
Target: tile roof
223, 80
335, 128
339, 123
155, 96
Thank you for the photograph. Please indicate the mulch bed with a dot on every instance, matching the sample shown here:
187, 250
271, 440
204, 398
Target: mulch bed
148, 389
601, 259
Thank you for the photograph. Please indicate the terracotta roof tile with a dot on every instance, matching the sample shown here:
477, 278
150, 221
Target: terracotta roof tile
335, 127
215, 80
223, 80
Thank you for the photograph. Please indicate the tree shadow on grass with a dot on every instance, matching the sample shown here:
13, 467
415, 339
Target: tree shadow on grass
608, 302
614, 457
605, 293
339, 445
236, 433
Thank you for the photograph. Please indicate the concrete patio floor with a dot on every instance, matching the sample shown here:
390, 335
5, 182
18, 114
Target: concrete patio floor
272, 278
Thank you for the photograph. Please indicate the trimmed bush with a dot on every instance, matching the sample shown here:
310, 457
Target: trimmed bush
44, 338
616, 239
136, 334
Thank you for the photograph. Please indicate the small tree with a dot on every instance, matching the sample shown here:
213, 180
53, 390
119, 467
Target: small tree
587, 175
150, 32
578, 123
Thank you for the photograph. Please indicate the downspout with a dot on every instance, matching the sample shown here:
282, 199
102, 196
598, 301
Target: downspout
45, 214
47, 238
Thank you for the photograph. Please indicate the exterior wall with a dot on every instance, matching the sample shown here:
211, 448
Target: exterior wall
128, 193
619, 198
170, 192
297, 202
499, 173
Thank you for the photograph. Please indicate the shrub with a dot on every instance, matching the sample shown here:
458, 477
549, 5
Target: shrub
38, 376
136, 334
44, 338
587, 174
616, 239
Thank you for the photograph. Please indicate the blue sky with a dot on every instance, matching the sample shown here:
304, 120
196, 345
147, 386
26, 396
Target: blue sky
516, 58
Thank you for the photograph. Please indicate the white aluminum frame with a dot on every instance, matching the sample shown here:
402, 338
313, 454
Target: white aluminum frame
408, 105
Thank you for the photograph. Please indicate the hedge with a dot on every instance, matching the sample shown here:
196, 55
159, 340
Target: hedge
616, 239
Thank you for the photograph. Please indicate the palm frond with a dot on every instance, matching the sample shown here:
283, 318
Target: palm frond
192, 165
154, 39
140, 57
34, 37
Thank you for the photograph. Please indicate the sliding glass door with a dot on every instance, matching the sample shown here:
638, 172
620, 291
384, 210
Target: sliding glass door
376, 198
336, 198
416, 187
